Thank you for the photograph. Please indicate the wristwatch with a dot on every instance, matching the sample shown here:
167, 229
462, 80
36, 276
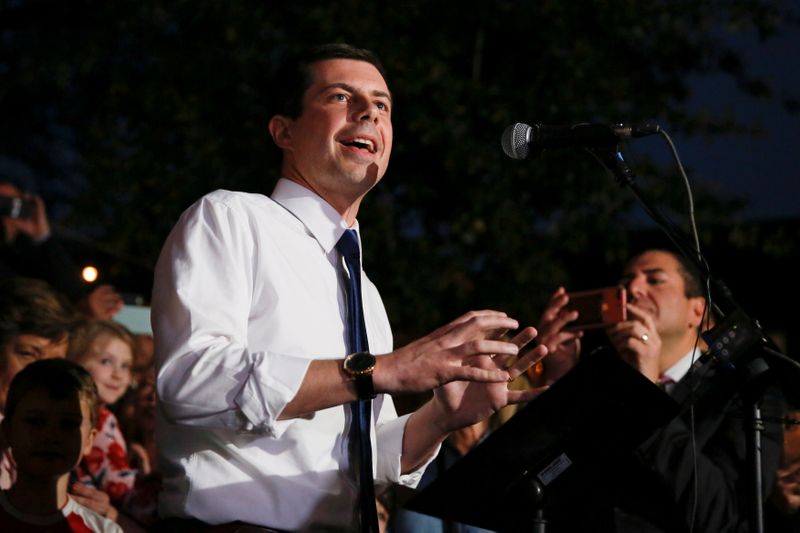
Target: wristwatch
359, 366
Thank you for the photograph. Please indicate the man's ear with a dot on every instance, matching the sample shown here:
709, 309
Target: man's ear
697, 306
280, 130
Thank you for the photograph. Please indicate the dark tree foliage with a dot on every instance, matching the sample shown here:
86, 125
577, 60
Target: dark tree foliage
133, 109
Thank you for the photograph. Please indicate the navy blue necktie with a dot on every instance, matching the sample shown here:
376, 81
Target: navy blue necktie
357, 336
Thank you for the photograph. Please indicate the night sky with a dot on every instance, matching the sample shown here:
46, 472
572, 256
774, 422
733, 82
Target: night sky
764, 169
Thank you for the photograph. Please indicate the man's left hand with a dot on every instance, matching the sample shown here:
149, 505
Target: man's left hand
462, 403
638, 342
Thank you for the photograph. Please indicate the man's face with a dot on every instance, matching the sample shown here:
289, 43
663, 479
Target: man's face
654, 282
48, 436
22, 351
340, 144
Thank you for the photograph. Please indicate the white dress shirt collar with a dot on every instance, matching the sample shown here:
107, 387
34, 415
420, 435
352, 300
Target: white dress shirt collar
317, 215
677, 371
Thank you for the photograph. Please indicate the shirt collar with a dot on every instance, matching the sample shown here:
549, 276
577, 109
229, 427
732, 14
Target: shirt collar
677, 371
324, 223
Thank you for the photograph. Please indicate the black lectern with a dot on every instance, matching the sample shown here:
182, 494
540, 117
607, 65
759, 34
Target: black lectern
554, 452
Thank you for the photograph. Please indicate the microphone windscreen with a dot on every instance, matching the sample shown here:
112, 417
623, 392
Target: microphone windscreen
515, 141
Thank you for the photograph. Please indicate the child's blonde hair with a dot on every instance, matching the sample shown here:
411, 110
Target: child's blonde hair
88, 332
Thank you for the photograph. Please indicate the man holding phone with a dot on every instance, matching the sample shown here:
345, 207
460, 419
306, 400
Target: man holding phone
665, 307
679, 479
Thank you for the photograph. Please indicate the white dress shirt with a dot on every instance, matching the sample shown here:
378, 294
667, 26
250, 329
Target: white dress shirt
681, 367
248, 290
678, 371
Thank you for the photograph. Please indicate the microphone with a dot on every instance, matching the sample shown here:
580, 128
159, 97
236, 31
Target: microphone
521, 141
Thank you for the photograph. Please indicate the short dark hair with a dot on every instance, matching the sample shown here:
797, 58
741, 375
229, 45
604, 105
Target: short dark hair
59, 377
294, 76
32, 307
692, 280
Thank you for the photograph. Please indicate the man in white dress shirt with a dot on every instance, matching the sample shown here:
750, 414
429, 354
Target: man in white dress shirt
249, 318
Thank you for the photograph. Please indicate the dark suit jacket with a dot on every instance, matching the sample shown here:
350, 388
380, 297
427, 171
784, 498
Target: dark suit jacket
653, 489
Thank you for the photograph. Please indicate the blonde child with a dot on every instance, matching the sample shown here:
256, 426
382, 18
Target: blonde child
105, 350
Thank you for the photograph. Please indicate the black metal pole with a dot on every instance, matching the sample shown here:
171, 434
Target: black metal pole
534, 494
756, 504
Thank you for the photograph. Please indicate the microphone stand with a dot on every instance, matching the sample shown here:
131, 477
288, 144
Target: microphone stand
729, 341
532, 491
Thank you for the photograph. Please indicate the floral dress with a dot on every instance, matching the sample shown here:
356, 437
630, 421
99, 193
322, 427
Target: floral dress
106, 467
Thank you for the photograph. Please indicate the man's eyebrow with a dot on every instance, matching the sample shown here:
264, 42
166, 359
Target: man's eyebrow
349, 88
654, 270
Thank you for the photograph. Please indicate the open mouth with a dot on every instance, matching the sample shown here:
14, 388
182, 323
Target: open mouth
361, 143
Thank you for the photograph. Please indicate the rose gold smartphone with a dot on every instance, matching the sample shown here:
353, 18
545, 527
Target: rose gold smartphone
597, 308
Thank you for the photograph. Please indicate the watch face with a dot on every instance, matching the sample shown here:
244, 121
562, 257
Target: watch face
360, 362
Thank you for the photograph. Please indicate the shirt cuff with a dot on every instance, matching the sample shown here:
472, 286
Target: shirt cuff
272, 384
390, 452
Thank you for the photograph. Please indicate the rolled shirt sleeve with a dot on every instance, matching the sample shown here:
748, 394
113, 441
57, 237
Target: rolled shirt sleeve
202, 301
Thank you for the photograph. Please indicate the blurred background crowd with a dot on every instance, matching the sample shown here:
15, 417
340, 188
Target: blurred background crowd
118, 116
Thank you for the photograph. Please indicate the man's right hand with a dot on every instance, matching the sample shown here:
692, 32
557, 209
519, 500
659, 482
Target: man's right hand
469, 370
638, 342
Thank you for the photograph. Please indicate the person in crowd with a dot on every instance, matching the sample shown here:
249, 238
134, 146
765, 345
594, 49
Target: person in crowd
143, 364
678, 479
29, 248
105, 350
35, 322
258, 330
136, 409
139, 424
782, 513
49, 425
384, 501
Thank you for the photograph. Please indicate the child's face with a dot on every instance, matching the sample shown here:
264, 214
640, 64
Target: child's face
109, 362
48, 436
